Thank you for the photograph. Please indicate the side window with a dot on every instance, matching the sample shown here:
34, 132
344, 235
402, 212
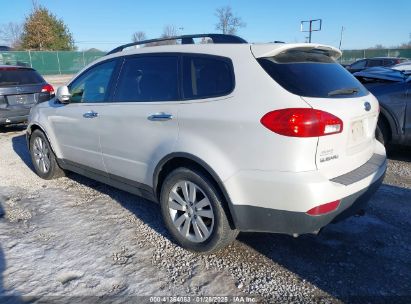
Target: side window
149, 78
358, 64
207, 76
92, 86
388, 62
374, 63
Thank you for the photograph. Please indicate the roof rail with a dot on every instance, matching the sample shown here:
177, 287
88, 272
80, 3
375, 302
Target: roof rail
185, 39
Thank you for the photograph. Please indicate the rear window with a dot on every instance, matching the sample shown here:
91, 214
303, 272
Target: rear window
13, 76
312, 74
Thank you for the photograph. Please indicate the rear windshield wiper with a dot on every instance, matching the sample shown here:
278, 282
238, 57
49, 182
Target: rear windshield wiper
347, 91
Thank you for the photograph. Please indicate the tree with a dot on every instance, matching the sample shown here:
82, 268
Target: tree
11, 34
138, 36
227, 22
42, 30
169, 30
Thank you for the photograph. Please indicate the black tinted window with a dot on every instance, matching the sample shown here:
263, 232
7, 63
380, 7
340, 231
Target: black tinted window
316, 76
10, 76
92, 85
151, 78
358, 65
374, 63
207, 76
389, 62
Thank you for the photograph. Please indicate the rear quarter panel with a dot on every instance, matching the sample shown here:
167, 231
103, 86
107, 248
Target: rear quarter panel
227, 134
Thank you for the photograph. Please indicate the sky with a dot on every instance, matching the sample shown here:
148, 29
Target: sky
105, 24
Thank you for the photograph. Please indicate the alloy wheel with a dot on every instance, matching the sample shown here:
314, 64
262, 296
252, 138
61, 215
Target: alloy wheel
191, 211
41, 155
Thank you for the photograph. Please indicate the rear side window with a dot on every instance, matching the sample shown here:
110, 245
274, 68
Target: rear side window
389, 62
207, 76
312, 74
150, 78
12, 76
374, 63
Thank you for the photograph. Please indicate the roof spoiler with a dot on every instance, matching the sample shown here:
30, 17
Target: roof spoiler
271, 50
185, 39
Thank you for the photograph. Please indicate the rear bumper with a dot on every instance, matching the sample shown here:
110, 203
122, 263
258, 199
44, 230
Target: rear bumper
18, 115
13, 119
279, 201
259, 219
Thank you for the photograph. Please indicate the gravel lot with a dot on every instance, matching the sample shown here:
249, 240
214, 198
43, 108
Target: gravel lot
74, 237
58, 80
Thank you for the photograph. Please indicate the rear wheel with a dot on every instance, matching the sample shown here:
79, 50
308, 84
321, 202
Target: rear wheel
193, 211
43, 157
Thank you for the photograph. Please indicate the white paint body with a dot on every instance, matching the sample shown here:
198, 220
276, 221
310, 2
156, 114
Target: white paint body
256, 166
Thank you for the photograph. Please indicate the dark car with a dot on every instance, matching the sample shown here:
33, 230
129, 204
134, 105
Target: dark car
20, 89
363, 64
393, 91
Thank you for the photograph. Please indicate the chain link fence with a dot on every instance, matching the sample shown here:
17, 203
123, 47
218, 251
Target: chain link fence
50, 63
65, 62
350, 56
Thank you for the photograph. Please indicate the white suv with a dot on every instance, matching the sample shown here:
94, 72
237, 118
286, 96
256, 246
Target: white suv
227, 137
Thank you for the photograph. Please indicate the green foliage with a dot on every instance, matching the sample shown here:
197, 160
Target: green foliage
44, 31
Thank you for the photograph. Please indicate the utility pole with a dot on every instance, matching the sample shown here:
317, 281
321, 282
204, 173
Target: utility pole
341, 37
314, 25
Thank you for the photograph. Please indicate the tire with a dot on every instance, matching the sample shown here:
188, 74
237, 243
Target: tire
381, 133
43, 157
197, 220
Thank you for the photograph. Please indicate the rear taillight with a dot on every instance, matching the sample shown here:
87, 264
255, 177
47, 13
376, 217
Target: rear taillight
302, 122
323, 209
47, 88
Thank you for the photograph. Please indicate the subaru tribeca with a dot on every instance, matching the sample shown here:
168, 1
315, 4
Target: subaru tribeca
226, 136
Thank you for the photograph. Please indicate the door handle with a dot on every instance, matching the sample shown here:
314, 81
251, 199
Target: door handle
160, 117
90, 114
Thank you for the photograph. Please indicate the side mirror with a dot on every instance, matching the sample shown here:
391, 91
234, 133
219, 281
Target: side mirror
63, 95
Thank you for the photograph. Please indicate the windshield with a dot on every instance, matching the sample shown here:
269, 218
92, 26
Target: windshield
312, 73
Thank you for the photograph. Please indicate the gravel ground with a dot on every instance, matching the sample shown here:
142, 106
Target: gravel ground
74, 237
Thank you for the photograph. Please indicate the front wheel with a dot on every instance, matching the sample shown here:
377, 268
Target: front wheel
43, 158
193, 211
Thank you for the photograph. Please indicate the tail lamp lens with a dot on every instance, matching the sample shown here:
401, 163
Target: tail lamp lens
302, 122
47, 88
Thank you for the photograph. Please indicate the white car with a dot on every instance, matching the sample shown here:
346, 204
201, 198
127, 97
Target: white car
227, 137
404, 66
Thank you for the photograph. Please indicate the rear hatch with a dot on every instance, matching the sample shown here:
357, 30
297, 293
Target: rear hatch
21, 88
311, 72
